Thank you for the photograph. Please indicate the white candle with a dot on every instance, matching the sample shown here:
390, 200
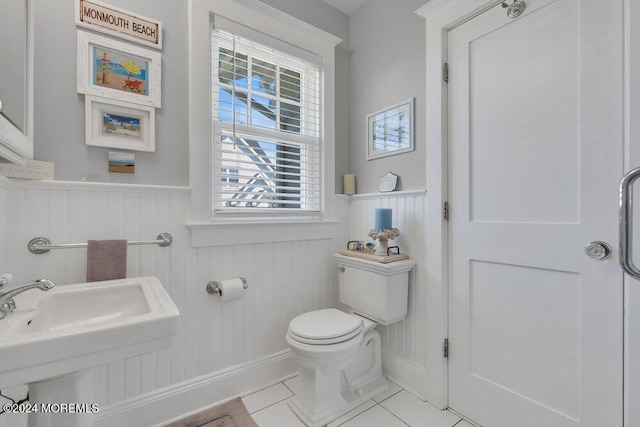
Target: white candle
349, 184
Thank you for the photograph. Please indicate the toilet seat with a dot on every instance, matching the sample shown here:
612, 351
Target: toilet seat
324, 327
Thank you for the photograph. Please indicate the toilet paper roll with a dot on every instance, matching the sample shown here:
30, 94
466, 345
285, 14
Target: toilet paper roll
231, 289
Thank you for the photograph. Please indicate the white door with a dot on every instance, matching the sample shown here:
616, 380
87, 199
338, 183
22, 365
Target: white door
535, 159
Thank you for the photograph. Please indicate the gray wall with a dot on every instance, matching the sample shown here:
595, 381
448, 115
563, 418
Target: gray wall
331, 20
388, 63
59, 109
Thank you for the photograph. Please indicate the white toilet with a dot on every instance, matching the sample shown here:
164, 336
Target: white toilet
339, 354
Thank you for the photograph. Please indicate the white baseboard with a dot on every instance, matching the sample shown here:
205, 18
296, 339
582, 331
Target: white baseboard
407, 374
172, 402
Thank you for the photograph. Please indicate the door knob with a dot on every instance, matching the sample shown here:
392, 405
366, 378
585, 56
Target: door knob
516, 9
598, 250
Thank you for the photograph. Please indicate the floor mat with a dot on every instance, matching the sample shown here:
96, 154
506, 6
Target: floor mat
230, 414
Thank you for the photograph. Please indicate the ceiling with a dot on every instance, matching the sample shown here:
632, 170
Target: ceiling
346, 6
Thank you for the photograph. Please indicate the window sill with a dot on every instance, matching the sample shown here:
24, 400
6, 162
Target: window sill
242, 233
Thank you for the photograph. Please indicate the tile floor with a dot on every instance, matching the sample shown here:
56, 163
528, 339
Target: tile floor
393, 408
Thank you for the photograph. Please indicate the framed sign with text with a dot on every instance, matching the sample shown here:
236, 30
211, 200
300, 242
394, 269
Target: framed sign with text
111, 20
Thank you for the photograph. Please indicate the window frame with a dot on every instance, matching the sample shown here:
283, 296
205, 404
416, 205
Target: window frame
260, 19
308, 140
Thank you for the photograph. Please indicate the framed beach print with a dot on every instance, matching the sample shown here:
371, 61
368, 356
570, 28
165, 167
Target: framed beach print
122, 162
112, 69
116, 124
390, 130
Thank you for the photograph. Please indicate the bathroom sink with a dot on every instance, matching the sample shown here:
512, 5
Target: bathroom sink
74, 327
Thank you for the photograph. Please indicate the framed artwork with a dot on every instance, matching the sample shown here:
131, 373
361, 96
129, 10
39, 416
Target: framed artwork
390, 130
116, 124
117, 70
122, 162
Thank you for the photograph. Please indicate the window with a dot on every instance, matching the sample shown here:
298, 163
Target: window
306, 154
229, 176
266, 129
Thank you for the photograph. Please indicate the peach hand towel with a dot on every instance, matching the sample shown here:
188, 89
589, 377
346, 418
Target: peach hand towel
106, 260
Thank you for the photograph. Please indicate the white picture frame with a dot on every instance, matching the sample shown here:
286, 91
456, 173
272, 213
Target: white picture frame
103, 65
117, 124
390, 130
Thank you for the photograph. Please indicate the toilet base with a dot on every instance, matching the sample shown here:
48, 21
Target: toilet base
334, 379
352, 398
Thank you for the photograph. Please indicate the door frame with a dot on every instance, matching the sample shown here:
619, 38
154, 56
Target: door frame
631, 159
441, 16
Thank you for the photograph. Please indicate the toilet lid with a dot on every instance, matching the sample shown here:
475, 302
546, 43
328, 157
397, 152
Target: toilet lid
321, 327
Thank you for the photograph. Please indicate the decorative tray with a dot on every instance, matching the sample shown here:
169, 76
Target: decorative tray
373, 257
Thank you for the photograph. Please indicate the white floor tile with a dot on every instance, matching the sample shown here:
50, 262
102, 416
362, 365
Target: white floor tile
267, 397
351, 414
395, 407
292, 383
417, 413
393, 389
278, 415
374, 417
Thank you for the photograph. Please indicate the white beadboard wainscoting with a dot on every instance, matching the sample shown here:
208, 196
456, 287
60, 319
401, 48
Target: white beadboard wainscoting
221, 350
285, 279
404, 344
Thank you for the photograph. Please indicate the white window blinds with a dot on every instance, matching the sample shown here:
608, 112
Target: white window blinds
266, 129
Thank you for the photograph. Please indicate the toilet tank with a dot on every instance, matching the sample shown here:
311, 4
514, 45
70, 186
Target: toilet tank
374, 290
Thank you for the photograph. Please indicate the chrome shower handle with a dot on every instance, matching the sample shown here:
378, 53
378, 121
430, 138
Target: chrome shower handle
626, 223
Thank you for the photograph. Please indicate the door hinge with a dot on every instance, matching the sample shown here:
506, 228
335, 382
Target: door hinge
445, 348
445, 72
445, 211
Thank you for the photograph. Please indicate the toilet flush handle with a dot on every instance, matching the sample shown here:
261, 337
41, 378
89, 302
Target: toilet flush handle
341, 268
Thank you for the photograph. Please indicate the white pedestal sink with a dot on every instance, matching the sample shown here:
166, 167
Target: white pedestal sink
52, 338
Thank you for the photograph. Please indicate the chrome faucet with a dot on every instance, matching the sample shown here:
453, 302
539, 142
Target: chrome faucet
7, 304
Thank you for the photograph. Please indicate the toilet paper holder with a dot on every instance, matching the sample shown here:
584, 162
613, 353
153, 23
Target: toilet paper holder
213, 287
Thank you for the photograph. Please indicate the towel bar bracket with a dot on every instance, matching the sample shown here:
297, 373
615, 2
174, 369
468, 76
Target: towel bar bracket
42, 245
166, 239
35, 245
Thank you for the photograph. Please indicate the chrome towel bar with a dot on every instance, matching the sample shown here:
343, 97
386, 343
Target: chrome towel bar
41, 245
